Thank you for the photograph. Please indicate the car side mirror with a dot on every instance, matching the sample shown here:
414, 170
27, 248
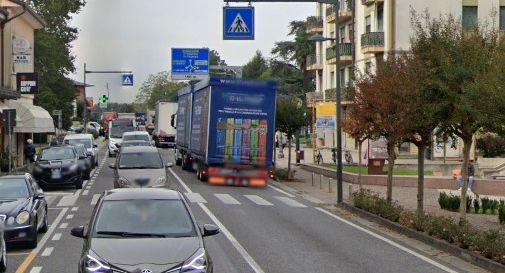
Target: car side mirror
169, 165
39, 196
78, 232
112, 166
95, 145
209, 230
82, 157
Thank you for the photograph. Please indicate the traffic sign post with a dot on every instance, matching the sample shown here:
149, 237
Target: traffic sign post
190, 63
238, 23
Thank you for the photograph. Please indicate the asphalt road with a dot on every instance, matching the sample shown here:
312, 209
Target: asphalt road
262, 230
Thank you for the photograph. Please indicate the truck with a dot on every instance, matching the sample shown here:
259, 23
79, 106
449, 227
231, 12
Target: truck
115, 134
164, 133
225, 131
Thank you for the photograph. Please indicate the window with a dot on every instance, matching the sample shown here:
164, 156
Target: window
380, 18
332, 80
368, 24
332, 34
342, 77
351, 34
342, 35
368, 67
502, 18
470, 17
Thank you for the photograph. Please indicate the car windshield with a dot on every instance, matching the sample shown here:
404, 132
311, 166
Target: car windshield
140, 160
13, 188
136, 137
134, 143
117, 131
58, 153
80, 150
73, 141
167, 218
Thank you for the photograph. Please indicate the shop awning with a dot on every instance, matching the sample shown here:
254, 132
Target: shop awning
31, 118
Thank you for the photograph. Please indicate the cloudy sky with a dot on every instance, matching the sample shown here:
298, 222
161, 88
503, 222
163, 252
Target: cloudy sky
137, 35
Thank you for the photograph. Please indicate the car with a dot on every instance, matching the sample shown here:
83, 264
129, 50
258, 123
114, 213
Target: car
139, 162
85, 160
136, 135
23, 209
130, 143
3, 249
89, 142
95, 126
58, 166
144, 230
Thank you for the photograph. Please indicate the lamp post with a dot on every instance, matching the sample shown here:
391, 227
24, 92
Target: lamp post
320, 38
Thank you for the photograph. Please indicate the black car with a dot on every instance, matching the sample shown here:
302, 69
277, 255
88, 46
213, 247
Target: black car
144, 230
58, 166
3, 250
23, 209
85, 160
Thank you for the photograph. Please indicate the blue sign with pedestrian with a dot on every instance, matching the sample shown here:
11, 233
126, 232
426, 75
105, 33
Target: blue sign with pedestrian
238, 23
127, 80
190, 63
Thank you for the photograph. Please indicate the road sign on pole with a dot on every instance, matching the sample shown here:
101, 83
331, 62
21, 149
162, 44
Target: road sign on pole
190, 63
127, 80
238, 23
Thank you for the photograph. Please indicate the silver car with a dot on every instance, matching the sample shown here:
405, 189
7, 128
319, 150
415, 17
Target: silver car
3, 249
140, 163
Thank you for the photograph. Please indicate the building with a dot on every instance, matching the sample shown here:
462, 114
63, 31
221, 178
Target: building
369, 30
18, 23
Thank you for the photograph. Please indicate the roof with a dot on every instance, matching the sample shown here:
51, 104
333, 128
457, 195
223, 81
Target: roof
31, 11
78, 136
10, 176
4, 12
139, 149
135, 133
143, 193
76, 83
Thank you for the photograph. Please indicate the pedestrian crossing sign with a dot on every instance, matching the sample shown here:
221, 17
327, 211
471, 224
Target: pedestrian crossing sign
238, 23
127, 79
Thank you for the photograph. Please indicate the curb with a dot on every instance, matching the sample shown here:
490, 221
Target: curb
464, 254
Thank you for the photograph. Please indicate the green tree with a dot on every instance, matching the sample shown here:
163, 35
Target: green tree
53, 57
255, 67
158, 87
290, 117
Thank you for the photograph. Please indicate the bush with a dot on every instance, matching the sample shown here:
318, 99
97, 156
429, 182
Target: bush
476, 205
451, 202
491, 145
493, 206
501, 213
372, 202
485, 205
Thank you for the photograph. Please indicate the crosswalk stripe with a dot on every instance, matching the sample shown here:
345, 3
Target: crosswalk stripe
227, 199
36, 269
258, 200
290, 202
194, 197
95, 198
47, 251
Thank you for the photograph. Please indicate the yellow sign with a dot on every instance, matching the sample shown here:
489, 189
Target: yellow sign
326, 109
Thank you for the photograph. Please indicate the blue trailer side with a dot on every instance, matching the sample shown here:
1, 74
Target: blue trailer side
183, 124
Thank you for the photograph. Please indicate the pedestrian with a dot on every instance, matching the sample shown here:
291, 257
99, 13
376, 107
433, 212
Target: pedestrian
54, 142
471, 173
319, 157
29, 155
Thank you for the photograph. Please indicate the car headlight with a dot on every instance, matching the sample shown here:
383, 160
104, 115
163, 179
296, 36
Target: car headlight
22, 217
73, 167
196, 264
123, 182
94, 265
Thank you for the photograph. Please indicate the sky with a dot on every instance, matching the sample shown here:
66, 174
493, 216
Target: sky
137, 35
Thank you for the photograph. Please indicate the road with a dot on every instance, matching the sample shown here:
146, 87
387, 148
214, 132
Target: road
262, 230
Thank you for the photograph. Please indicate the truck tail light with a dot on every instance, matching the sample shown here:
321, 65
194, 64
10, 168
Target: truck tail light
257, 182
216, 180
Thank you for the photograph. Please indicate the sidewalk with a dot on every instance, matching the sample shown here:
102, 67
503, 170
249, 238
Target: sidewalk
325, 195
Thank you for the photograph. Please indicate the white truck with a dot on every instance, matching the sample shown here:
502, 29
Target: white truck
164, 133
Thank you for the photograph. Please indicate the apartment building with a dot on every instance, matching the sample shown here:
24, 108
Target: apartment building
368, 31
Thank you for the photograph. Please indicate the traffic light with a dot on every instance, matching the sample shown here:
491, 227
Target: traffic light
103, 99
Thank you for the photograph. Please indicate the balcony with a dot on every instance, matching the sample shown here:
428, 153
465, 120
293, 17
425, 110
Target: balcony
345, 93
371, 2
9, 94
313, 97
315, 25
344, 12
315, 62
345, 54
372, 42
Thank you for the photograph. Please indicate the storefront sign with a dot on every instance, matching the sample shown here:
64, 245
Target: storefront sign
27, 83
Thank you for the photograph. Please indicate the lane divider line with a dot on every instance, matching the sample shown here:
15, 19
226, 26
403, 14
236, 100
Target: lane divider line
281, 191
70, 216
63, 225
36, 269
47, 252
56, 237
388, 241
27, 262
241, 250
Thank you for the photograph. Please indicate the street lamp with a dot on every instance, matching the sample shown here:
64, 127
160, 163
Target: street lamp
320, 38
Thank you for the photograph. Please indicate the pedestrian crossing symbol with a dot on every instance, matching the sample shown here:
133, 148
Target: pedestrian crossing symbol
127, 80
238, 23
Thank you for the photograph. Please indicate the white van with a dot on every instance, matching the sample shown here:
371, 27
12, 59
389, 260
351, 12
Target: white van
87, 140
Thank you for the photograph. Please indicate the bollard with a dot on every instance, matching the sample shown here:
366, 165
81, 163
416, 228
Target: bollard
329, 185
321, 182
350, 191
312, 179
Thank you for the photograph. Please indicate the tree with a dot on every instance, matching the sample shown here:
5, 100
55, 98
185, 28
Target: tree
53, 57
380, 102
469, 78
158, 87
290, 117
255, 67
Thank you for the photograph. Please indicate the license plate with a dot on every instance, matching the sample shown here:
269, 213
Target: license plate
56, 174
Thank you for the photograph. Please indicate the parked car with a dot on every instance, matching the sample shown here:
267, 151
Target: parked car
95, 126
139, 162
89, 142
58, 166
85, 160
23, 209
148, 230
3, 249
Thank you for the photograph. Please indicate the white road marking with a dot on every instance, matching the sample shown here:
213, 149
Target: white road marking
57, 193
386, 240
70, 216
247, 257
227, 199
258, 200
36, 269
194, 197
69, 200
84, 183
92, 180
85, 192
63, 225
56, 237
47, 252
75, 208
281, 191
95, 198
290, 202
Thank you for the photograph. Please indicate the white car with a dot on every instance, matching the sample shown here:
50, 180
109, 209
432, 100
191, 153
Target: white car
88, 141
137, 135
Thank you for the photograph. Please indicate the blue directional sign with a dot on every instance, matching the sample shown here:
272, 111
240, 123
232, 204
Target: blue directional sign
127, 80
238, 23
190, 63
